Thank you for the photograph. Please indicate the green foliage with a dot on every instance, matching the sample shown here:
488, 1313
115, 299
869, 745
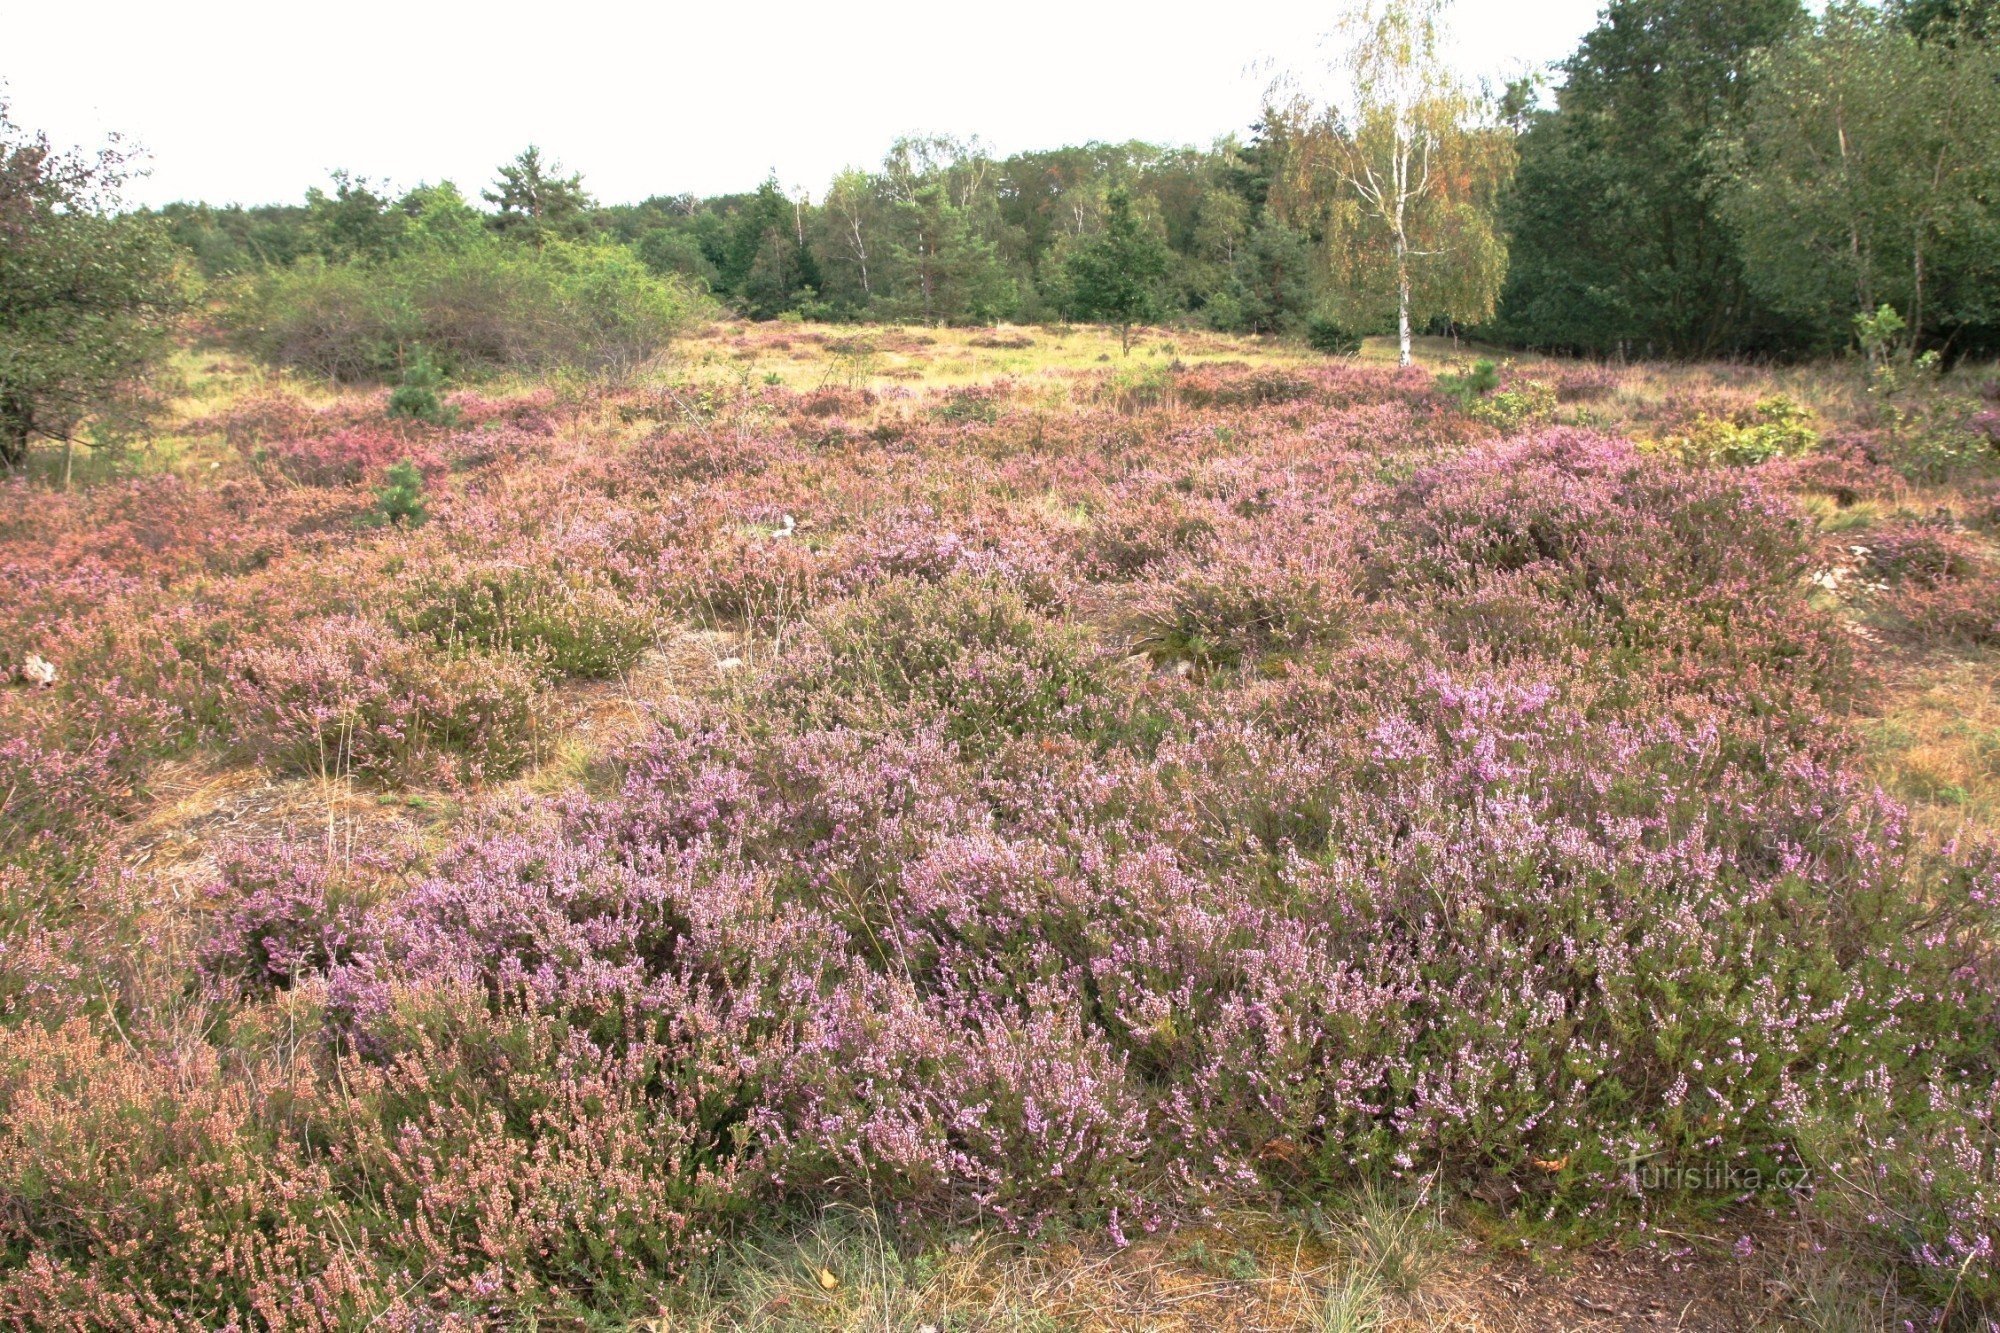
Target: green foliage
399, 500
1480, 393
1617, 239
1482, 379
488, 307
764, 259
88, 298
1115, 275
536, 201
1325, 334
1775, 428
1271, 282
416, 397
1867, 172
1879, 333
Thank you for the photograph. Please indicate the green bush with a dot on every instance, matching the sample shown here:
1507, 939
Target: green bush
1331, 337
399, 500
1521, 403
490, 307
416, 398
1483, 379
1776, 427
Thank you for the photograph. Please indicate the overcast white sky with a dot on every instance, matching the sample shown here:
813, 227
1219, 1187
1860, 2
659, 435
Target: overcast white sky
254, 101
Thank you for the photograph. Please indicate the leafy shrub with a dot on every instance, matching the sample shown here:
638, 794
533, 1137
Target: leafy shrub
484, 308
1774, 428
1481, 394
1328, 335
1481, 380
1529, 403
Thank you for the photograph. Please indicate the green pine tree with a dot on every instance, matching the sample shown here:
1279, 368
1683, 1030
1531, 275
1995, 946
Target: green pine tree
1115, 276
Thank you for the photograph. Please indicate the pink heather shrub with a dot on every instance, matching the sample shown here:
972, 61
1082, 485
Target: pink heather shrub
352, 697
1926, 554
283, 914
1846, 468
340, 458
971, 653
1941, 587
564, 617
536, 413
52, 787
508, 1163
1584, 383
952, 1101
742, 579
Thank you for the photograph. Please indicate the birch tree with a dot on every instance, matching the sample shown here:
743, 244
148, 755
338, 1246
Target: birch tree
1402, 172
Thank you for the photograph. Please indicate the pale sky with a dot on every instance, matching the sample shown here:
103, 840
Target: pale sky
253, 102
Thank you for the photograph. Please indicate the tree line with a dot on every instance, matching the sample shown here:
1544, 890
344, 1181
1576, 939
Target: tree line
1698, 178
1709, 177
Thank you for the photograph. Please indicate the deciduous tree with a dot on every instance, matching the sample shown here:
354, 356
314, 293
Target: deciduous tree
1868, 172
1402, 172
88, 297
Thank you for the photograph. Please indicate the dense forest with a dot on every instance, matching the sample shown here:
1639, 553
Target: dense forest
1700, 177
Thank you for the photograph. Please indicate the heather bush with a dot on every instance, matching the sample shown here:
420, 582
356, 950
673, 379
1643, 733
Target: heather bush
1922, 553
1219, 612
351, 697
1585, 383
283, 913
968, 652
337, 458
566, 622
514, 1167
1935, 583
1218, 386
1495, 831
55, 787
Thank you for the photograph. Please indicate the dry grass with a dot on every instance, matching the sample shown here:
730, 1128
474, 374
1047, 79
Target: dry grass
1936, 743
1377, 1267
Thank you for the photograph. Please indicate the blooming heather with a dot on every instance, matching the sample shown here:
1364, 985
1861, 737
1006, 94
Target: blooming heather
1281, 783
